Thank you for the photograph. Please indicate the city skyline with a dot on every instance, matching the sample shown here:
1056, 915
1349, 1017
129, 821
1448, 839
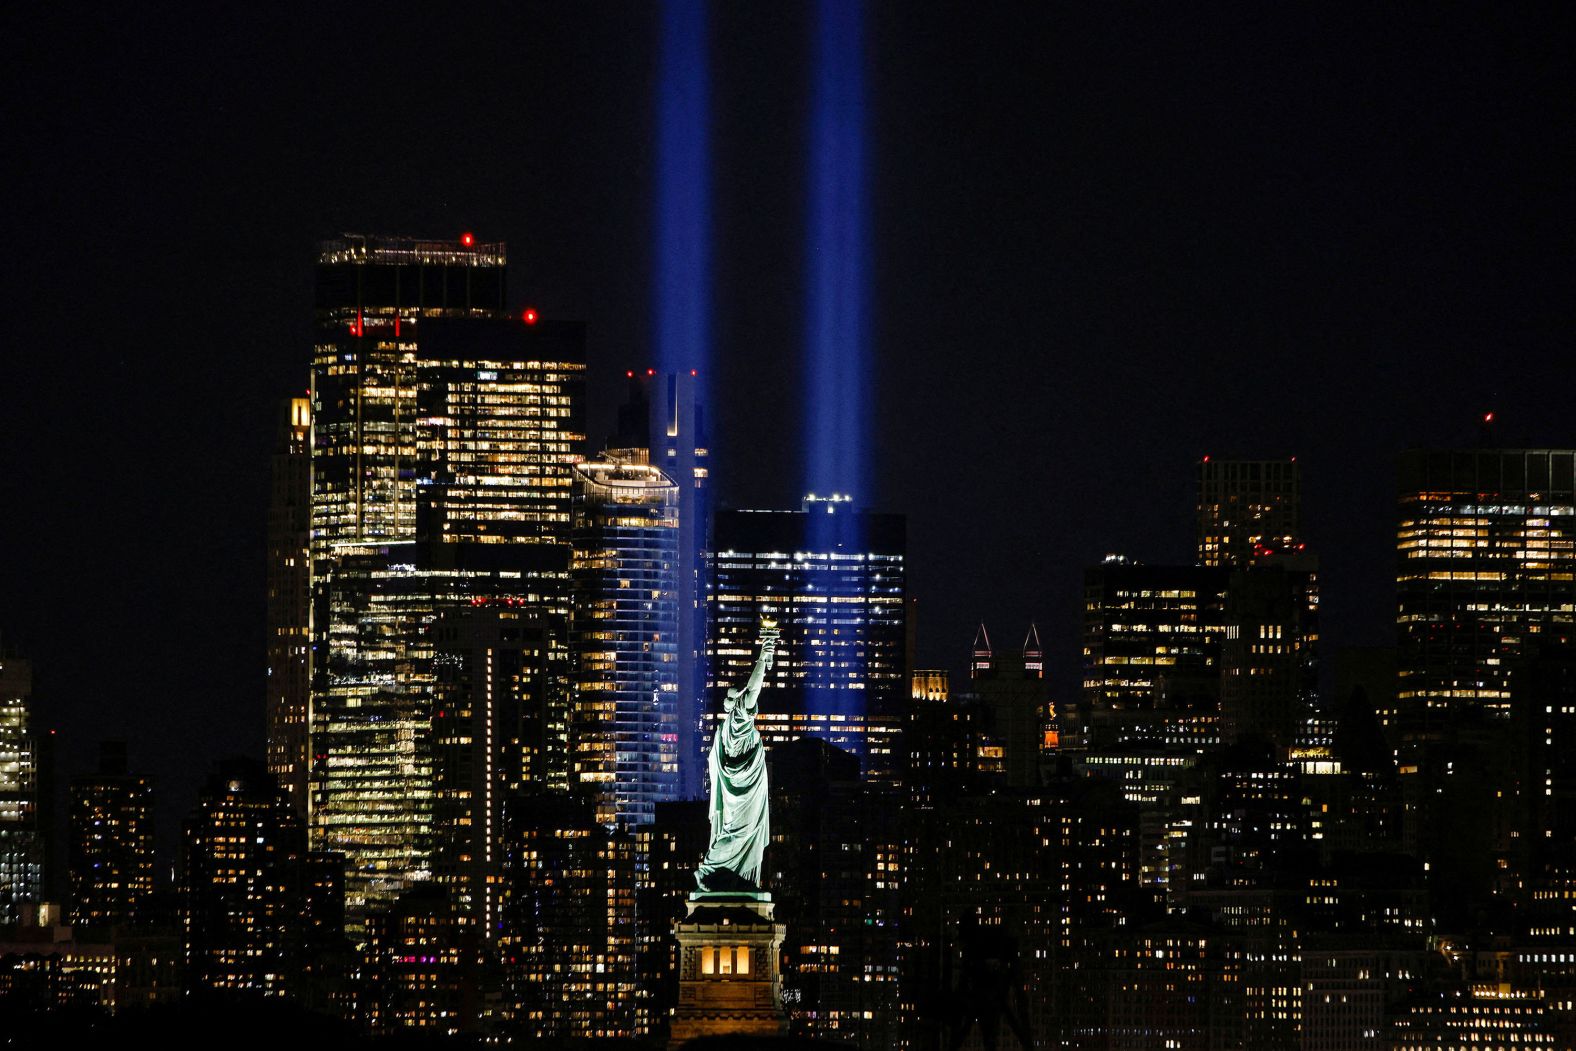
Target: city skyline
450, 448
1393, 273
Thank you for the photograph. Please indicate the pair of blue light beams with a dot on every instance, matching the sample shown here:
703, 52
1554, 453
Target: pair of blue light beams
837, 332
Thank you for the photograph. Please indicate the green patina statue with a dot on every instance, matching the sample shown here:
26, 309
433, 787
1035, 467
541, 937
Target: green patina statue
740, 814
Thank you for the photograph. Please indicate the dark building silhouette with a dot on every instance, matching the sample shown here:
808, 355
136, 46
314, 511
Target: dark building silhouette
288, 582
421, 966
1015, 697
1269, 686
500, 724
835, 871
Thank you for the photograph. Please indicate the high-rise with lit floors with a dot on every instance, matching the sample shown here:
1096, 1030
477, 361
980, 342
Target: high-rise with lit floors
289, 595
664, 416
833, 577
373, 296
626, 618
500, 725
1486, 596
1247, 508
1486, 565
21, 840
1151, 654
257, 911
110, 822
1250, 521
444, 440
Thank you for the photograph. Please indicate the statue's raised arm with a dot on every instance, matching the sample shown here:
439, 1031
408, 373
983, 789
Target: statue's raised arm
736, 769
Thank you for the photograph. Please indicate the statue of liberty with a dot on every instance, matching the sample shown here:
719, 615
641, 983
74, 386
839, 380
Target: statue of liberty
736, 769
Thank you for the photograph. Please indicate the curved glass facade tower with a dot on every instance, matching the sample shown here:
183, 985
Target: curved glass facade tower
625, 582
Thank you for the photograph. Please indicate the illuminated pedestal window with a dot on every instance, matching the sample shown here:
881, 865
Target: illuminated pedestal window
728, 978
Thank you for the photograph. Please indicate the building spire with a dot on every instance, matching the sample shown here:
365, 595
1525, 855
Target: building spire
981, 659
1033, 655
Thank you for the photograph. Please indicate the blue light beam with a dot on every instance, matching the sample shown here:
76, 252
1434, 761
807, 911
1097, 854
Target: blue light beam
838, 332
839, 256
683, 219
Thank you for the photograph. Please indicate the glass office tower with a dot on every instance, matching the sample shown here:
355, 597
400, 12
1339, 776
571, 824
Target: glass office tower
1486, 565
444, 441
834, 579
626, 622
664, 415
374, 294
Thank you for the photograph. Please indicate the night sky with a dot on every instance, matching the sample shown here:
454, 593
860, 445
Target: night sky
1107, 240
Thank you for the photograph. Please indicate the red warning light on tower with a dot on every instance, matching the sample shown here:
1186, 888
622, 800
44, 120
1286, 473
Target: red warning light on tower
467, 239
530, 316
1488, 417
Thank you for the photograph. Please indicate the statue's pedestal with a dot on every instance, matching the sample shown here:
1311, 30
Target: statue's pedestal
728, 980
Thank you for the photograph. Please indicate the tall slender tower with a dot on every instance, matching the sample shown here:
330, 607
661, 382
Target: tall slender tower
289, 595
664, 415
1250, 521
21, 843
626, 621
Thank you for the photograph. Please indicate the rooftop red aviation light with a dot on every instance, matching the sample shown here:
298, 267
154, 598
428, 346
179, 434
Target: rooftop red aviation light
467, 239
529, 317
1488, 417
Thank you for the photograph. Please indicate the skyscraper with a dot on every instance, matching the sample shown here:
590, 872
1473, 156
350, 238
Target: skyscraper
1246, 509
1151, 653
289, 595
1486, 583
626, 626
376, 721
1269, 654
664, 416
111, 842
834, 578
1250, 521
1486, 546
373, 296
500, 725
444, 441
21, 839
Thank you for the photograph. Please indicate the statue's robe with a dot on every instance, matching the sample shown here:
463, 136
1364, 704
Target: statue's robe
740, 825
